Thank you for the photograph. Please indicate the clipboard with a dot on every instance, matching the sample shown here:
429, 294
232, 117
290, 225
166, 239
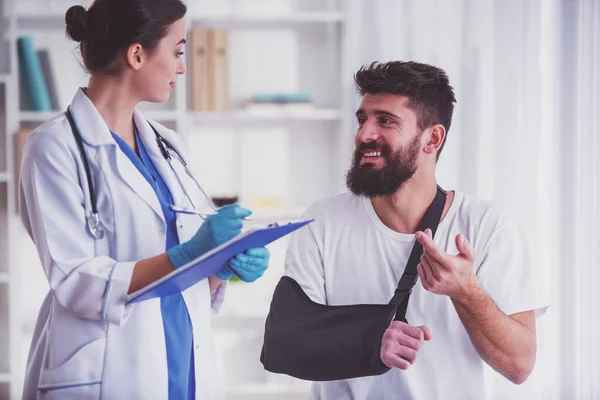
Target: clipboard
212, 261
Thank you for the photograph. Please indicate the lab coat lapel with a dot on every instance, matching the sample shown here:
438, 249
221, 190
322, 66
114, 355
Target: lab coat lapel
136, 181
95, 134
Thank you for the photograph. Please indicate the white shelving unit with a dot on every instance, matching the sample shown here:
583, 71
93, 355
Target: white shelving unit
39, 117
264, 116
237, 21
10, 353
317, 140
267, 392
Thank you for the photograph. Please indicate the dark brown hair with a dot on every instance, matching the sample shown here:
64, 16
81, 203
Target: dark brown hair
109, 27
427, 88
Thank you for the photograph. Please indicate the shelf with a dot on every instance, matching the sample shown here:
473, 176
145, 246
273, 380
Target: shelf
50, 14
42, 116
37, 9
275, 215
161, 115
266, 389
4, 278
4, 78
262, 21
265, 116
58, 8
4, 177
4, 378
213, 117
238, 322
37, 116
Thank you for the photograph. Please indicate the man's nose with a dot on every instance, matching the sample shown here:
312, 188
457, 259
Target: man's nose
367, 132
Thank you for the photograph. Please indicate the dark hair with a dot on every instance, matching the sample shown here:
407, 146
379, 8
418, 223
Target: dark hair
427, 88
109, 27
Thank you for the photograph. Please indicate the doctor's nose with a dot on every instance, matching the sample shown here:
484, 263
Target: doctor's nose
181, 68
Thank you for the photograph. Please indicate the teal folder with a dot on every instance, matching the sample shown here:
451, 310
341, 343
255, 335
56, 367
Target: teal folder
211, 262
33, 75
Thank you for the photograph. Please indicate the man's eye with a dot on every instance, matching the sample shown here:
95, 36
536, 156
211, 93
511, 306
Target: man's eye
385, 120
179, 54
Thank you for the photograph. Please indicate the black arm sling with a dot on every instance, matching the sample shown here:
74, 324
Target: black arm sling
317, 342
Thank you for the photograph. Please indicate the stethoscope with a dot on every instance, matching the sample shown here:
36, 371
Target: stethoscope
168, 151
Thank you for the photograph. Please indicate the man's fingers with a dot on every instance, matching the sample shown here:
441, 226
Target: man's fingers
423, 275
395, 354
401, 344
409, 342
432, 272
395, 361
429, 247
426, 332
398, 336
399, 328
464, 247
406, 353
414, 332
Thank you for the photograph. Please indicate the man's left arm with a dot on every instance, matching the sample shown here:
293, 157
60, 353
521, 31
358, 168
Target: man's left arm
506, 342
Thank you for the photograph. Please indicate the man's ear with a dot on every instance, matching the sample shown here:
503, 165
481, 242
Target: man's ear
135, 56
436, 139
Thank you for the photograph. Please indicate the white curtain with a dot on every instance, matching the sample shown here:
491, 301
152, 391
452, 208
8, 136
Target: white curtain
579, 194
524, 134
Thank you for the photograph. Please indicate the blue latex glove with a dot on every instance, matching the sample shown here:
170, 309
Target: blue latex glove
216, 230
248, 266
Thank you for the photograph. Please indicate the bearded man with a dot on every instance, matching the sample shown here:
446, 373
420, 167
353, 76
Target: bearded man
476, 297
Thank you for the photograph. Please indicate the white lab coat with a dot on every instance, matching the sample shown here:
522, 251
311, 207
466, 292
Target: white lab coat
87, 343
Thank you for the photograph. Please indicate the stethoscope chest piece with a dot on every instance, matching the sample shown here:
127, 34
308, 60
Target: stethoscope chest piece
95, 227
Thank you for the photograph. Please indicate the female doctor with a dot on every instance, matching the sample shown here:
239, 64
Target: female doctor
100, 187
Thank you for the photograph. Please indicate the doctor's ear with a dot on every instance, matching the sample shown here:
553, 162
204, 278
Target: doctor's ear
135, 56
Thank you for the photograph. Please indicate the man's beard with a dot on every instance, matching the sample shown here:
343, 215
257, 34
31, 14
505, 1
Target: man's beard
368, 180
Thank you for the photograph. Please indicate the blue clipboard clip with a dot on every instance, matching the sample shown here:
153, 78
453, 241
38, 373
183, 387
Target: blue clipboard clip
211, 262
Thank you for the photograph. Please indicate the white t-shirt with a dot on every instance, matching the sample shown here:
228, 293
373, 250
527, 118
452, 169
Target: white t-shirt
348, 256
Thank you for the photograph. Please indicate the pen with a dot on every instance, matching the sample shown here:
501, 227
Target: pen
202, 215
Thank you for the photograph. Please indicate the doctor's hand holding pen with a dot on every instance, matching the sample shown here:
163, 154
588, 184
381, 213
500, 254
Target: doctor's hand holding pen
218, 228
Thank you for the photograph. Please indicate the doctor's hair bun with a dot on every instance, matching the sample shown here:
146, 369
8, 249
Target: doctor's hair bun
76, 19
109, 27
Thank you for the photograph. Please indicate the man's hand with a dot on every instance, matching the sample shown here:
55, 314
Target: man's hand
443, 274
401, 344
506, 343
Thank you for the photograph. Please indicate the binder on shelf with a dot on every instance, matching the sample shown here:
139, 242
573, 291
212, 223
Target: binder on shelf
291, 103
211, 262
32, 75
199, 71
48, 71
218, 60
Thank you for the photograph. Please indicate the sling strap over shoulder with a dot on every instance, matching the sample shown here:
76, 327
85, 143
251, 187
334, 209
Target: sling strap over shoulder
317, 342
